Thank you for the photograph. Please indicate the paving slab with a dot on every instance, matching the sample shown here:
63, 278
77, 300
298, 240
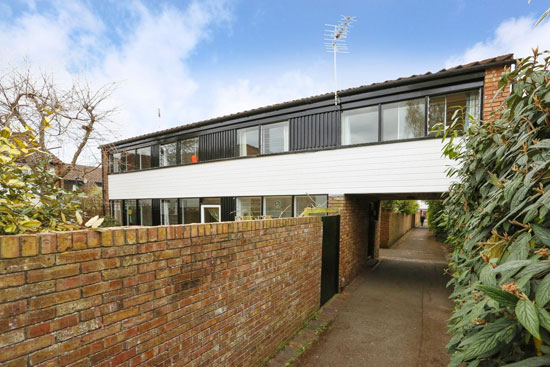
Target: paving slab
397, 314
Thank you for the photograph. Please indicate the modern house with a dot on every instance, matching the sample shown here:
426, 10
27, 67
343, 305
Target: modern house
279, 159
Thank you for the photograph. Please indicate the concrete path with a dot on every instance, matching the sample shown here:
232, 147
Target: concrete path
397, 316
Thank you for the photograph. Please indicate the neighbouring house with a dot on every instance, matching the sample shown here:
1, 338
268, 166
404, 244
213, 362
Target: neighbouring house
375, 144
79, 177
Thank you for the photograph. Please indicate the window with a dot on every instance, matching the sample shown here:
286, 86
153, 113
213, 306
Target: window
248, 141
443, 108
403, 120
169, 211
128, 161
130, 212
360, 126
143, 158
167, 155
189, 150
275, 138
278, 206
116, 210
249, 207
146, 212
115, 162
309, 201
190, 210
210, 213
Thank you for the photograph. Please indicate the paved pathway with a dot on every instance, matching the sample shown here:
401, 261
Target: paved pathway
397, 316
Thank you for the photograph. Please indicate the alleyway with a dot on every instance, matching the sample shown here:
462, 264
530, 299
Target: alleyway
397, 316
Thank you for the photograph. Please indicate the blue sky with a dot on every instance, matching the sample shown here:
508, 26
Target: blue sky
199, 59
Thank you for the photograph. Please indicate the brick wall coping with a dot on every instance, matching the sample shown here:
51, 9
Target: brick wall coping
26, 245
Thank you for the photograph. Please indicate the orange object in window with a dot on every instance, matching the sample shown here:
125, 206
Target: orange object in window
194, 158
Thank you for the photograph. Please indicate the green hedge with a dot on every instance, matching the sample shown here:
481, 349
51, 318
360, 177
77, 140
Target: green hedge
496, 217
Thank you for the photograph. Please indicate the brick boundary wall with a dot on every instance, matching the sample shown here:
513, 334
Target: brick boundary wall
224, 294
393, 226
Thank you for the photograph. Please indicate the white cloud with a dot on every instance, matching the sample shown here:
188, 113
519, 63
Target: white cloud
516, 35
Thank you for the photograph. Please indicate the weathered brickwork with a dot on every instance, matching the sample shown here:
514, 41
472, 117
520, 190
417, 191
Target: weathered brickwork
393, 226
490, 88
224, 294
354, 229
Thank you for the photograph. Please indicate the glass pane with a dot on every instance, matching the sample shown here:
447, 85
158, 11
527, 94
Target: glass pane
116, 210
190, 211
211, 201
144, 158
436, 114
249, 207
278, 206
211, 214
275, 138
130, 160
167, 155
403, 120
115, 162
248, 141
309, 201
146, 212
360, 126
189, 150
169, 211
130, 209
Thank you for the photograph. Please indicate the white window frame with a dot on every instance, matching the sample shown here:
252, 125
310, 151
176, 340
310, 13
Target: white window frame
219, 207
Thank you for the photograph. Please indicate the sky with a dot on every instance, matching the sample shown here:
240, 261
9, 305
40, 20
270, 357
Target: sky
195, 60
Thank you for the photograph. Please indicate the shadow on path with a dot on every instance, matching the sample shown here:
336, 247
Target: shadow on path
397, 316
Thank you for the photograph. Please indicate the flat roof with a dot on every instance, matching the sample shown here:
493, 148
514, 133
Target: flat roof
460, 69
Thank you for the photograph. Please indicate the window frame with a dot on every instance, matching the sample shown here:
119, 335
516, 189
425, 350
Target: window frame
180, 151
161, 155
286, 141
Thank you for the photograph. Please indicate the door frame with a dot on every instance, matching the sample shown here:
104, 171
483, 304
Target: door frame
206, 206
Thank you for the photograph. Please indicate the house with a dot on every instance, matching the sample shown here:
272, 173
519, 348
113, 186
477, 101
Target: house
375, 144
79, 177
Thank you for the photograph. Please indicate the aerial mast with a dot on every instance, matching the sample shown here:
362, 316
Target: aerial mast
335, 42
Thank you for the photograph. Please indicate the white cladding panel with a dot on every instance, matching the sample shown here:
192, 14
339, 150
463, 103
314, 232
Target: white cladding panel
406, 167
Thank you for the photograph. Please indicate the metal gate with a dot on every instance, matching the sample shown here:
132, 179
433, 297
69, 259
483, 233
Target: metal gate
330, 257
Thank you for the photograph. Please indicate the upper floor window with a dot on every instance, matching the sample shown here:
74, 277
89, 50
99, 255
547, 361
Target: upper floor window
360, 126
189, 150
275, 138
143, 158
115, 162
442, 109
403, 120
248, 141
167, 155
129, 160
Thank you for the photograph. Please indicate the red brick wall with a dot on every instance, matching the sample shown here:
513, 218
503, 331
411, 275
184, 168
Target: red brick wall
490, 88
354, 229
224, 294
393, 226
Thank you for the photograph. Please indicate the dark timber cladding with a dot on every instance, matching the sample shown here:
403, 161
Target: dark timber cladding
320, 130
217, 145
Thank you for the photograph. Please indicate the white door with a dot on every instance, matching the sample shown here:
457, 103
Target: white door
210, 213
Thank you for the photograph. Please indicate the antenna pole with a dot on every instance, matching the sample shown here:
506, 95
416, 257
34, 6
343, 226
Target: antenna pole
335, 51
335, 38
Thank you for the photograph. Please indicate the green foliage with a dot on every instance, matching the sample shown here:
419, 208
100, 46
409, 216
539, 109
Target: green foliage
401, 206
496, 218
29, 199
436, 224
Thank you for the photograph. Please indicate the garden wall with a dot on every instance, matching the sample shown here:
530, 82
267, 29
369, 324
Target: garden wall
394, 225
224, 294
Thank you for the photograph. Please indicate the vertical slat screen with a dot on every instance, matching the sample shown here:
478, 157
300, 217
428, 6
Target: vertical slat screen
315, 131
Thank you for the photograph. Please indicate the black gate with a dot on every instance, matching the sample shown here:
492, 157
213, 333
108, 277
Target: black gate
330, 257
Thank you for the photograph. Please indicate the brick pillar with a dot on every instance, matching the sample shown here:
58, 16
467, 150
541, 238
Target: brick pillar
490, 88
105, 177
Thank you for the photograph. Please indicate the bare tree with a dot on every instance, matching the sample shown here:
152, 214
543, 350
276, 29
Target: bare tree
57, 115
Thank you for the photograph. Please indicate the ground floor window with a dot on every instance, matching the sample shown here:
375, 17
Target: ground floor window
190, 211
130, 212
168, 211
278, 206
249, 206
146, 212
116, 210
309, 201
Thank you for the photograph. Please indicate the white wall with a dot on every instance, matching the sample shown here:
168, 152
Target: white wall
406, 167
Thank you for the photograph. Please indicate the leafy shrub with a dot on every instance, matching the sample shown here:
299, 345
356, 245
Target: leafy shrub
497, 219
29, 199
400, 206
435, 219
